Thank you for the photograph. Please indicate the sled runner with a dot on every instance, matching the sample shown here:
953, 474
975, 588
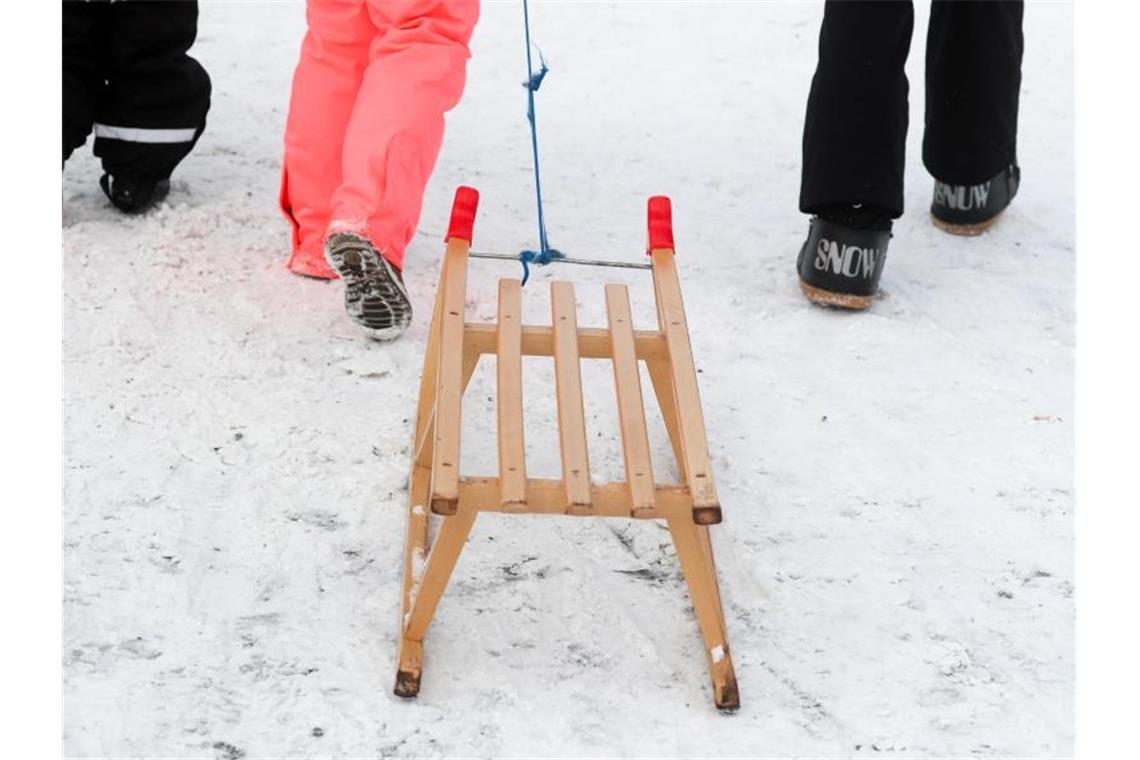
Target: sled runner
436, 485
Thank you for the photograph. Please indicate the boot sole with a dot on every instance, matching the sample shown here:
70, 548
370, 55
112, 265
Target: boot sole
837, 300
382, 299
966, 230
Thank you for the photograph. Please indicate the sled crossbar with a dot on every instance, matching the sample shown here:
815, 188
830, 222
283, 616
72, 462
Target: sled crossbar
593, 343
436, 486
564, 260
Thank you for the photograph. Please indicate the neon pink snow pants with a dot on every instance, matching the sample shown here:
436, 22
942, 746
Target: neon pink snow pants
366, 119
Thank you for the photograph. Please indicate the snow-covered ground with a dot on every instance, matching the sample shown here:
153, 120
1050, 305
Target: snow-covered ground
897, 553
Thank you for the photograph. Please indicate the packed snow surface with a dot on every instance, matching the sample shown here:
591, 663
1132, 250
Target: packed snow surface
897, 551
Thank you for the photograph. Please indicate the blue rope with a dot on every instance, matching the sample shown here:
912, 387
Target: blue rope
533, 81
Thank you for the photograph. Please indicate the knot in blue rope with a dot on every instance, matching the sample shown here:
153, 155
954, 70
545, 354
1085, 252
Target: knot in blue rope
536, 78
540, 258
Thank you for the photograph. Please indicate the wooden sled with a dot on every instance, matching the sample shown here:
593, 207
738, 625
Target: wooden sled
453, 349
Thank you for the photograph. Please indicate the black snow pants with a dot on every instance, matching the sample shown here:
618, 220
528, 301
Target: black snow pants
127, 76
855, 130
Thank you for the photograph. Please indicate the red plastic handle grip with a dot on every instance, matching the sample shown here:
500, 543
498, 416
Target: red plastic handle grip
660, 223
463, 210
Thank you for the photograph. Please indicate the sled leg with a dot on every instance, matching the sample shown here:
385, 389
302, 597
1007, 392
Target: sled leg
426, 592
419, 482
710, 568
416, 542
422, 449
700, 576
662, 381
416, 553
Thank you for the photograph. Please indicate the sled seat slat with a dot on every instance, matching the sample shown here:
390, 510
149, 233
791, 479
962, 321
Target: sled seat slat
630, 404
512, 450
571, 408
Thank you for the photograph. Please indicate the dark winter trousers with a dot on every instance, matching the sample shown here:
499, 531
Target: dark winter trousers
126, 75
855, 130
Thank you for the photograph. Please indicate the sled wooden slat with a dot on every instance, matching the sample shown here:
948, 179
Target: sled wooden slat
568, 390
690, 419
512, 450
630, 405
438, 492
449, 390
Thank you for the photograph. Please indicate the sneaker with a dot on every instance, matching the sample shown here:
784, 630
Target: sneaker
973, 209
133, 195
374, 293
842, 259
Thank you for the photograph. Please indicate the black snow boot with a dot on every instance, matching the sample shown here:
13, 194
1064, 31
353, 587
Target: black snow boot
374, 293
842, 259
973, 209
133, 195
